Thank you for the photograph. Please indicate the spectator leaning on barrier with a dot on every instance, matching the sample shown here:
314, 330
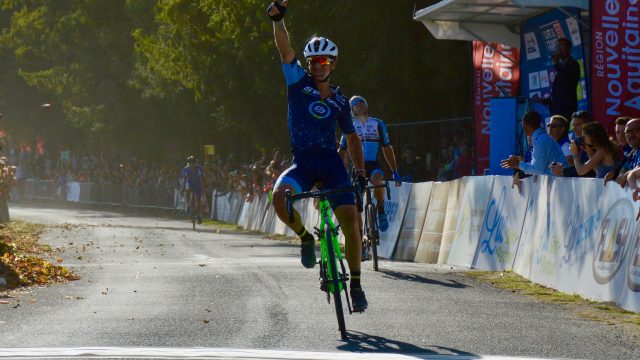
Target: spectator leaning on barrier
631, 160
558, 129
545, 149
621, 139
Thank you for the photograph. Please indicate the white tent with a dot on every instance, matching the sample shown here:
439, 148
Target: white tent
486, 20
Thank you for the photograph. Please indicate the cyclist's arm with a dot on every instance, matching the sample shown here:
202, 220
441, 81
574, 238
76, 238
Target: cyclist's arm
355, 150
342, 151
387, 149
282, 40
390, 156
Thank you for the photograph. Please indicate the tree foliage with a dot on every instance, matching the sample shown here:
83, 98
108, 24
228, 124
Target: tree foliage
165, 76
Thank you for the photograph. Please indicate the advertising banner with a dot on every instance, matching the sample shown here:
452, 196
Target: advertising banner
539, 38
431, 236
615, 59
496, 72
502, 225
470, 220
73, 191
535, 223
454, 202
395, 209
414, 218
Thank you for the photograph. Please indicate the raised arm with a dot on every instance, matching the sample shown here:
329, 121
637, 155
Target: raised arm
280, 34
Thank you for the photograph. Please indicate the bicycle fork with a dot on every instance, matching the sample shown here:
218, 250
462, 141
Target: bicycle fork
326, 275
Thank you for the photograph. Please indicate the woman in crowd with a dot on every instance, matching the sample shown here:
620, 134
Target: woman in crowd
604, 155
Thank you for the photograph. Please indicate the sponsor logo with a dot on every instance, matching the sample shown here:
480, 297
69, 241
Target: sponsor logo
613, 239
633, 268
319, 110
580, 229
310, 91
494, 223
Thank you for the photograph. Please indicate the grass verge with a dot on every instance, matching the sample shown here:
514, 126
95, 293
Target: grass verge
21, 262
584, 308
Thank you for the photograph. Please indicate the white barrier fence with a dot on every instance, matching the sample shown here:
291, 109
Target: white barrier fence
574, 235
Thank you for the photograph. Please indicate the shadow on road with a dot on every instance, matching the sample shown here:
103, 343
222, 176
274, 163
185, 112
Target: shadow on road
361, 342
395, 275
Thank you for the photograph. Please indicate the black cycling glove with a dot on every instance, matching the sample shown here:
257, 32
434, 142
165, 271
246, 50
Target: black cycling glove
281, 9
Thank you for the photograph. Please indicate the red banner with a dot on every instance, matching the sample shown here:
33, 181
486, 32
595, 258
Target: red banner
496, 72
615, 69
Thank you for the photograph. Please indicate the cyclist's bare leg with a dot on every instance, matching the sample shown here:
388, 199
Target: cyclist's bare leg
280, 206
377, 179
187, 198
347, 217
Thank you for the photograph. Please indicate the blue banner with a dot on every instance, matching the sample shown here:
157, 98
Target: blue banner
539, 38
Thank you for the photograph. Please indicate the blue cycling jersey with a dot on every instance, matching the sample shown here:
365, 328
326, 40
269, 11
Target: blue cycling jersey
312, 120
193, 176
373, 134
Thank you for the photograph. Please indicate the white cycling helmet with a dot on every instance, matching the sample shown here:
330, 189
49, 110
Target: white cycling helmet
320, 46
358, 99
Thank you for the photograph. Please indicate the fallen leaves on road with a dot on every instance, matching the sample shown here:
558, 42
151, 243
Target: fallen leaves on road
20, 263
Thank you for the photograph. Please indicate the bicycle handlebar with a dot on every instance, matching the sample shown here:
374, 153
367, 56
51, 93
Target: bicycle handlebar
319, 194
386, 185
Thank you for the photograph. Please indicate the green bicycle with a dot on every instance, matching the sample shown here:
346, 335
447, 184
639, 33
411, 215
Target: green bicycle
333, 278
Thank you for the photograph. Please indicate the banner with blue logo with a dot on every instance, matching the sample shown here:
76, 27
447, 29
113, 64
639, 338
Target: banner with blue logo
539, 37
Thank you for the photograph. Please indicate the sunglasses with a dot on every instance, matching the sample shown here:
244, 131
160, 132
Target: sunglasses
319, 60
631, 131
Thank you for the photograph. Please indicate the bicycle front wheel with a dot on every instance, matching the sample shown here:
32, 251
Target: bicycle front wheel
335, 280
373, 234
193, 211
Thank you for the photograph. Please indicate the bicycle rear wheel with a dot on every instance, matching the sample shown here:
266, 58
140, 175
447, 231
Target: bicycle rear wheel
335, 281
373, 234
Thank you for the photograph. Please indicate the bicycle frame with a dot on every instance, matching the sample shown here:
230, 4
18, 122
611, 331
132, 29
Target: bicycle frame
326, 218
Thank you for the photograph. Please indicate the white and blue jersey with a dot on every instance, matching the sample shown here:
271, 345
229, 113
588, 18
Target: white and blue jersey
312, 120
373, 135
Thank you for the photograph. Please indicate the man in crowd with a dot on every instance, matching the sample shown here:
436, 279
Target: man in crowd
631, 160
578, 119
621, 138
546, 150
564, 97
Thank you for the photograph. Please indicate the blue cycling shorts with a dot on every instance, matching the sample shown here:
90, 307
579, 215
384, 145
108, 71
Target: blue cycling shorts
326, 168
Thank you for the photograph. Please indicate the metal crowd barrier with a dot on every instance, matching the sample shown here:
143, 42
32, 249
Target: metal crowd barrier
39, 189
113, 194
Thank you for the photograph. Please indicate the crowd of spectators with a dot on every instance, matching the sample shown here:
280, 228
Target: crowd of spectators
221, 173
586, 151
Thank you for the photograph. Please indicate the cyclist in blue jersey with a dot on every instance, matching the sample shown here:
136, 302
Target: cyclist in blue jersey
315, 107
191, 177
374, 136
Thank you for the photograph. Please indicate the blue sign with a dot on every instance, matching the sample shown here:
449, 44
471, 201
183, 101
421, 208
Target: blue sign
539, 38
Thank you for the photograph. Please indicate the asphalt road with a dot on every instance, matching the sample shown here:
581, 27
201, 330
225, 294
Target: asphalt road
153, 282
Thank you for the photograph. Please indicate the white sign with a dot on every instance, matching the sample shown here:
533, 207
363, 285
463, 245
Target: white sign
395, 209
429, 246
456, 191
470, 220
502, 225
414, 219
531, 46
